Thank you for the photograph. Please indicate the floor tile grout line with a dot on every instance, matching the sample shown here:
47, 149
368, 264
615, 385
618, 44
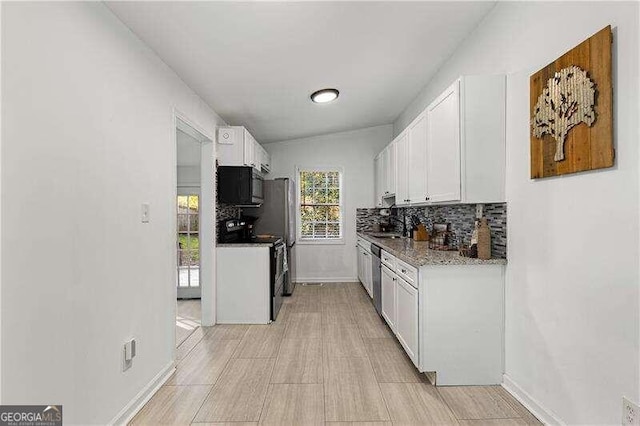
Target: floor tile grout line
269, 385
386, 404
322, 366
219, 375
273, 368
192, 348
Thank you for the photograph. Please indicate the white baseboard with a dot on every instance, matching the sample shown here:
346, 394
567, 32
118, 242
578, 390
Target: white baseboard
546, 416
327, 280
136, 404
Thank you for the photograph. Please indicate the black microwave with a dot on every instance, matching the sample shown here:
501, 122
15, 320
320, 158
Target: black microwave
240, 186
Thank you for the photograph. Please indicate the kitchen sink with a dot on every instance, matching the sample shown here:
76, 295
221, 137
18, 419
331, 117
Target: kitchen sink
385, 235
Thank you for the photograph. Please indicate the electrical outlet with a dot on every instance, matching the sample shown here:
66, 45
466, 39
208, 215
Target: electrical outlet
145, 213
128, 352
630, 413
479, 211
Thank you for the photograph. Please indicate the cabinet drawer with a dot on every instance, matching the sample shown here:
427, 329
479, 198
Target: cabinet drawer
388, 260
364, 244
408, 272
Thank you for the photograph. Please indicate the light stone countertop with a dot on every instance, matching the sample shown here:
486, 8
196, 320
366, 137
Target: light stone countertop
418, 253
244, 244
252, 244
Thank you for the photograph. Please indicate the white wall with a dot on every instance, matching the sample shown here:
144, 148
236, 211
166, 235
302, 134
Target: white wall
87, 136
572, 315
354, 151
189, 176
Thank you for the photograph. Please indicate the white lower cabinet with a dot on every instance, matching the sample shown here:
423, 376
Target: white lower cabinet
365, 263
448, 318
407, 318
388, 284
368, 273
359, 258
400, 308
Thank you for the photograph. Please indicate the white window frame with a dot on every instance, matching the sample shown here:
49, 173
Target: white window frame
319, 241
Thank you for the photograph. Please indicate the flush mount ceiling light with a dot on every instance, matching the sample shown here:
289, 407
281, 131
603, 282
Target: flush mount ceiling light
325, 95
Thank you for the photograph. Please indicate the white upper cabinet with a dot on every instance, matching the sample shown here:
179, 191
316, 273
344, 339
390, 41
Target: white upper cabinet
378, 164
443, 141
237, 147
265, 159
249, 149
385, 165
454, 151
466, 142
417, 161
390, 170
402, 169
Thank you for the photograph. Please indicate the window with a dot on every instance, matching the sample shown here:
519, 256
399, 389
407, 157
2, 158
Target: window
320, 208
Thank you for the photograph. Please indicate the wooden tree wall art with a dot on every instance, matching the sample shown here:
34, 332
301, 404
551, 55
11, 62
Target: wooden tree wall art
571, 110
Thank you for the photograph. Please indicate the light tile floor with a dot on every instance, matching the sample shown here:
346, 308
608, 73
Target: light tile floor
188, 319
328, 360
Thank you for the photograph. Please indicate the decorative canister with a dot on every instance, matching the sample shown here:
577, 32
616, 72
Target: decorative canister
484, 240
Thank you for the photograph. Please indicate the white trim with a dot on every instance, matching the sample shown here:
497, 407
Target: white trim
179, 115
207, 213
1, 374
327, 280
136, 404
546, 416
321, 242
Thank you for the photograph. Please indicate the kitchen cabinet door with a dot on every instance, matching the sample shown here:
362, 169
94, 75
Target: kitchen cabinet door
266, 165
443, 146
390, 182
257, 155
384, 160
248, 149
402, 170
368, 275
407, 318
417, 160
360, 259
389, 297
379, 179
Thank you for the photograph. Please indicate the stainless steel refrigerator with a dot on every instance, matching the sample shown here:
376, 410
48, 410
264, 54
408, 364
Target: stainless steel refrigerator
277, 216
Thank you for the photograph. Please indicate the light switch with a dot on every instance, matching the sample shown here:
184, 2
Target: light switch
145, 212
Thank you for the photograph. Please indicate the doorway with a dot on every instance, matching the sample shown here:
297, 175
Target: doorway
195, 213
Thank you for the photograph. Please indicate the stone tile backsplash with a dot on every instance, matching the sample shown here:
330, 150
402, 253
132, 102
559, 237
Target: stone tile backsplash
460, 216
226, 211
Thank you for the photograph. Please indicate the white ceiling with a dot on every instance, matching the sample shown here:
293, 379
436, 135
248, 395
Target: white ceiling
255, 63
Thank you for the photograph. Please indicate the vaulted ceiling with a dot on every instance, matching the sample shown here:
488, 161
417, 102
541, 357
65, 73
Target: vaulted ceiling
256, 63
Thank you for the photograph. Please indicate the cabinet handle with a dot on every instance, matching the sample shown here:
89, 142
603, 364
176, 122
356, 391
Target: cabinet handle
404, 271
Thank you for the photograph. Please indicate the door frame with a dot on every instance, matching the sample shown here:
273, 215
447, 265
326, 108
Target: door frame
207, 206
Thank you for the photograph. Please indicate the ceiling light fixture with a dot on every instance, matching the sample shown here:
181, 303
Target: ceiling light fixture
324, 95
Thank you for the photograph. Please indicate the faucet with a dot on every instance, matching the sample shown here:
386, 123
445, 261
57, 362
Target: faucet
403, 221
